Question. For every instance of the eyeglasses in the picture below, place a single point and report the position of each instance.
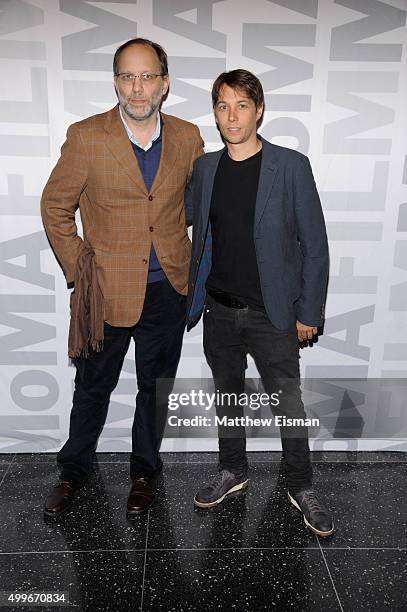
(128, 78)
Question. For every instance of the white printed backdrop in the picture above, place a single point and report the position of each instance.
(335, 77)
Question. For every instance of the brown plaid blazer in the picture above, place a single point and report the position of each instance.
(99, 173)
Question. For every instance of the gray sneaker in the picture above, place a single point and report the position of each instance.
(316, 516)
(214, 493)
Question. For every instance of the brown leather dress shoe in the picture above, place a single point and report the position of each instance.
(59, 499)
(141, 496)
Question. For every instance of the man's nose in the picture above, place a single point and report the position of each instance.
(138, 84)
(232, 115)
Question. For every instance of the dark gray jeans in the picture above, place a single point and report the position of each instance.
(229, 335)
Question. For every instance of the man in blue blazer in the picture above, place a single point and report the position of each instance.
(258, 272)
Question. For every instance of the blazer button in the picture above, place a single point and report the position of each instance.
(151, 228)
(151, 198)
(144, 261)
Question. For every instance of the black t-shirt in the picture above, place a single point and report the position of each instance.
(234, 264)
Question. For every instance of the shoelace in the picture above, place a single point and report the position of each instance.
(311, 500)
(217, 480)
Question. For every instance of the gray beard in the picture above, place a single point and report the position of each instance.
(149, 110)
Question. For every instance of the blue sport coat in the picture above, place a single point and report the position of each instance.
(289, 237)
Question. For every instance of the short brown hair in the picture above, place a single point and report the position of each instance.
(162, 56)
(240, 79)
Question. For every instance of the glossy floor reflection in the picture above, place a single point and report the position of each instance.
(251, 553)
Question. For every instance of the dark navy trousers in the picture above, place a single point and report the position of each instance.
(158, 340)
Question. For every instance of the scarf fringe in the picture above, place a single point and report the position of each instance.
(94, 347)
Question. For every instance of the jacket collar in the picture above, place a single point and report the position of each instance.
(120, 146)
(268, 172)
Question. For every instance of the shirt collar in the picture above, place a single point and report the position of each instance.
(134, 140)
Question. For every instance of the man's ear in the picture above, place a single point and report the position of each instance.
(259, 112)
(166, 84)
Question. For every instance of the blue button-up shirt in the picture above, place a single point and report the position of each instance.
(134, 140)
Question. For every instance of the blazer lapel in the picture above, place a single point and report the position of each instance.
(170, 148)
(119, 144)
(268, 172)
(207, 184)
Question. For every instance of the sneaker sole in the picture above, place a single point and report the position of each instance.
(323, 534)
(238, 487)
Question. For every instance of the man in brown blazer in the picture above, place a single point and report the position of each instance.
(126, 170)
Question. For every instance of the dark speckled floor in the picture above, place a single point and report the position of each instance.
(251, 553)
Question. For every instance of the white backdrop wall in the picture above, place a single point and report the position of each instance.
(335, 79)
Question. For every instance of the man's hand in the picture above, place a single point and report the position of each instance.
(305, 332)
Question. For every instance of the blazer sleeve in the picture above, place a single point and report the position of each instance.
(310, 307)
(188, 197)
(60, 200)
